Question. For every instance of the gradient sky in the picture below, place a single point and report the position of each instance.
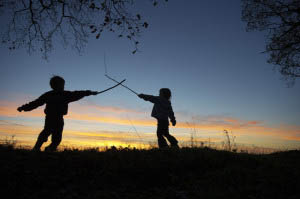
(199, 49)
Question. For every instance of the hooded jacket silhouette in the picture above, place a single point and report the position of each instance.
(162, 108)
(162, 111)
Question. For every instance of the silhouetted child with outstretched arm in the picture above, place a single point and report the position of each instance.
(162, 111)
(56, 101)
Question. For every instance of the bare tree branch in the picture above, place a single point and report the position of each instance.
(37, 24)
(281, 18)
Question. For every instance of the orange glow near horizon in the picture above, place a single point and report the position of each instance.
(241, 128)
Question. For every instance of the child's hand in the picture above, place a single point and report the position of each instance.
(173, 122)
(20, 109)
(94, 92)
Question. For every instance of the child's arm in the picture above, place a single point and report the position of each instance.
(172, 117)
(149, 98)
(32, 105)
(77, 95)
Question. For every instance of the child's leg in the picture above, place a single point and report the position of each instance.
(43, 136)
(161, 128)
(56, 135)
(172, 140)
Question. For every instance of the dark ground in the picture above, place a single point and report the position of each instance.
(127, 173)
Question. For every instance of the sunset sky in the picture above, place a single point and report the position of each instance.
(200, 50)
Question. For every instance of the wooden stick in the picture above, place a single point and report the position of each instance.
(119, 83)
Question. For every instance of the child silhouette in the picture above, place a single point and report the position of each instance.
(162, 111)
(56, 101)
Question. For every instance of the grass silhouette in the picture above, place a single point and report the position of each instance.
(154, 173)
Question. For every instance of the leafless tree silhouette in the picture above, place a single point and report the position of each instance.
(36, 24)
(281, 18)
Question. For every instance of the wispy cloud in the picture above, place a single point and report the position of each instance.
(89, 112)
(88, 106)
(9, 109)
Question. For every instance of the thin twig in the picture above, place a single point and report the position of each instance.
(119, 83)
(106, 75)
(134, 127)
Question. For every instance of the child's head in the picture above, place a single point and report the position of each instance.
(57, 83)
(166, 93)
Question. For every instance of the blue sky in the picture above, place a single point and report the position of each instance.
(198, 49)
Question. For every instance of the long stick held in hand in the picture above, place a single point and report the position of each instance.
(119, 83)
(106, 75)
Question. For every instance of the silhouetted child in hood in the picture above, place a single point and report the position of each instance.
(56, 101)
(162, 111)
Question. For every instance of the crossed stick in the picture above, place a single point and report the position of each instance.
(119, 83)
